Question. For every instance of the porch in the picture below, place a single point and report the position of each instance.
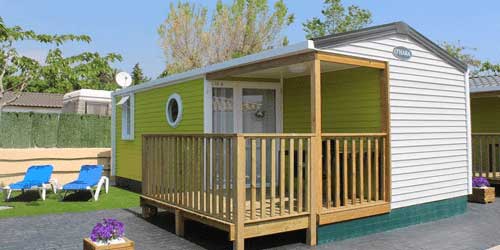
(486, 156)
(302, 172)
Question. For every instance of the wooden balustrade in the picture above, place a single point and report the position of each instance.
(193, 172)
(278, 175)
(197, 173)
(354, 169)
(248, 180)
(486, 154)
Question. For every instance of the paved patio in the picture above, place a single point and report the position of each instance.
(479, 228)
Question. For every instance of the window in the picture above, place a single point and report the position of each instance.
(173, 110)
(222, 110)
(127, 103)
(95, 108)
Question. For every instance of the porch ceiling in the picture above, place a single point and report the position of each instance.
(294, 70)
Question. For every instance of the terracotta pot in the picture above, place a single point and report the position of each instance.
(88, 244)
(482, 195)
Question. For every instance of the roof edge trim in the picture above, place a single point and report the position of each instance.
(201, 72)
(485, 89)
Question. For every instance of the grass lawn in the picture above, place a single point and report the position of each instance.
(29, 203)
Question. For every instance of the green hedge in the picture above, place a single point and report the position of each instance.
(34, 130)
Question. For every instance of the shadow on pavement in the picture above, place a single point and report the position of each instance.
(212, 238)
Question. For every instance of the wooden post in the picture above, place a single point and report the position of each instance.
(144, 184)
(239, 199)
(179, 223)
(386, 128)
(148, 211)
(315, 190)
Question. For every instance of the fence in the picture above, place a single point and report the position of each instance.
(66, 162)
(35, 130)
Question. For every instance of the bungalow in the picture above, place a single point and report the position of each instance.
(341, 135)
(485, 111)
(33, 102)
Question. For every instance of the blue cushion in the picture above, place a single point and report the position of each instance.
(35, 176)
(76, 185)
(89, 176)
(25, 184)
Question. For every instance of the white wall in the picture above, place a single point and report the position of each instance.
(428, 122)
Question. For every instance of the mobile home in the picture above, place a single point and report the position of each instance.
(342, 135)
(485, 110)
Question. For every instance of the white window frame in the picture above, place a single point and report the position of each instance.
(238, 87)
(178, 99)
(130, 104)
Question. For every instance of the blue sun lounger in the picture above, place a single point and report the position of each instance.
(90, 177)
(36, 178)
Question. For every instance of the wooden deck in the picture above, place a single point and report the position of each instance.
(288, 222)
(271, 208)
(253, 182)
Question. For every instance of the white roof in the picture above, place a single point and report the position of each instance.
(88, 93)
(200, 72)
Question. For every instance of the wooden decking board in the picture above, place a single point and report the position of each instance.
(159, 197)
(353, 212)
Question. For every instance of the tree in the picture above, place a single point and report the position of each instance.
(190, 40)
(88, 70)
(462, 53)
(137, 76)
(17, 71)
(337, 19)
(465, 54)
(58, 74)
(163, 74)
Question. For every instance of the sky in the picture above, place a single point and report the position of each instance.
(130, 27)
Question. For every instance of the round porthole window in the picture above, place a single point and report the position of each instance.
(173, 110)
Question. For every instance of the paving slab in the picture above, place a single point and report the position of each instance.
(477, 229)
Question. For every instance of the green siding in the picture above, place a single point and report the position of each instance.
(296, 105)
(150, 118)
(350, 102)
(484, 115)
(397, 218)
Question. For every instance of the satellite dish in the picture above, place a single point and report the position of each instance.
(123, 79)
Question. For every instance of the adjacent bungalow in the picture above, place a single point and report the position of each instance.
(342, 136)
(485, 113)
(83, 101)
(88, 101)
(33, 102)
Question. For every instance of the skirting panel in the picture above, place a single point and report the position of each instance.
(397, 218)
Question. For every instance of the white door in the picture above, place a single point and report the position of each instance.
(246, 107)
(258, 110)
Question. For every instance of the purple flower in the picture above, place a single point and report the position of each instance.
(108, 230)
(480, 182)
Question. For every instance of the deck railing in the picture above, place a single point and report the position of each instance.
(198, 173)
(354, 170)
(192, 172)
(278, 175)
(486, 154)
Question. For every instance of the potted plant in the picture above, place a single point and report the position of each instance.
(108, 234)
(481, 191)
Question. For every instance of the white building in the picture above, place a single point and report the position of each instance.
(87, 101)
